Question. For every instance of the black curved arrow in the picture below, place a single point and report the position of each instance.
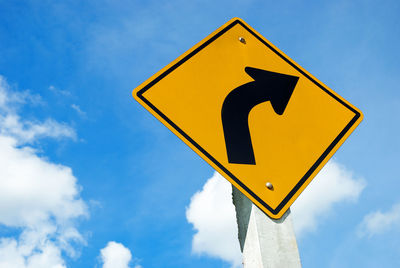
(268, 86)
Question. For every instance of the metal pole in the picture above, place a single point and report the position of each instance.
(264, 242)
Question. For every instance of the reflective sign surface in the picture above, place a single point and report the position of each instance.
(252, 113)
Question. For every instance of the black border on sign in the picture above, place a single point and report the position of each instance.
(308, 173)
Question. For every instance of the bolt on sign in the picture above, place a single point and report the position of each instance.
(256, 116)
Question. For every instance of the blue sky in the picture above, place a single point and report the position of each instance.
(109, 171)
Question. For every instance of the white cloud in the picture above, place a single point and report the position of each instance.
(9, 100)
(78, 110)
(333, 184)
(14, 255)
(23, 130)
(38, 189)
(59, 91)
(379, 222)
(116, 255)
(212, 213)
(28, 131)
(39, 200)
(213, 216)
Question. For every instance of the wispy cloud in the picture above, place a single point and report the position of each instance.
(30, 131)
(378, 222)
(78, 110)
(11, 100)
(25, 131)
(59, 91)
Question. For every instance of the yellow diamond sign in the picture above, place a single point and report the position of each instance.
(261, 120)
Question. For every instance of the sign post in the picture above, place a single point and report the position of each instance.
(264, 242)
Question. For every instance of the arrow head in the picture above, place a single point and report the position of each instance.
(279, 86)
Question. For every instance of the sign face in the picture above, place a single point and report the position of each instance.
(256, 116)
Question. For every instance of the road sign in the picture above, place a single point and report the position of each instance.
(261, 120)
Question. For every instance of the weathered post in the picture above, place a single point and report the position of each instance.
(264, 242)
